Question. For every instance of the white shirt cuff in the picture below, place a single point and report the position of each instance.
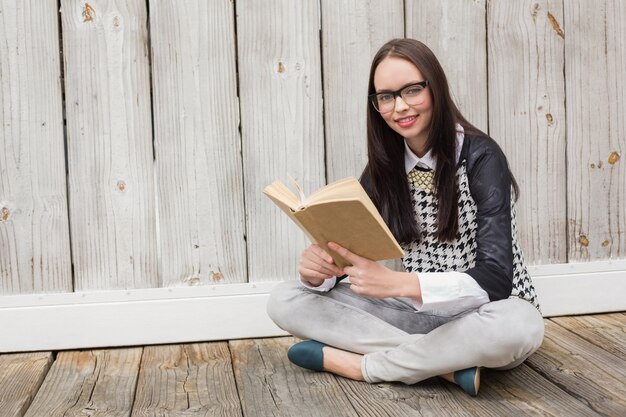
(326, 286)
(449, 293)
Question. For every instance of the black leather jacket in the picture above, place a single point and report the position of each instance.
(490, 185)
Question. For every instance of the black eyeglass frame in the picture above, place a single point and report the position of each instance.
(396, 93)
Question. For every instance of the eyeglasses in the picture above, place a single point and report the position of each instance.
(385, 101)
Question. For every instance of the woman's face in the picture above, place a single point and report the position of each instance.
(410, 121)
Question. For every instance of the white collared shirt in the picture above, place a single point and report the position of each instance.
(443, 293)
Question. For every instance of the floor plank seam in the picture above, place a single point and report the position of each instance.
(232, 368)
(139, 369)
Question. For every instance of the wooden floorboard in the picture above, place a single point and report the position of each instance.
(607, 331)
(85, 383)
(183, 380)
(269, 385)
(524, 392)
(21, 375)
(433, 397)
(519, 392)
(580, 370)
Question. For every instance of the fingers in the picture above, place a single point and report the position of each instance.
(314, 266)
(316, 259)
(347, 255)
(316, 250)
(313, 274)
(356, 289)
(352, 271)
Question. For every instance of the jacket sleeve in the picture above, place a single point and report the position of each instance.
(490, 185)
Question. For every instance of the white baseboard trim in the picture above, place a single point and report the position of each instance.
(581, 293)
(176, 315)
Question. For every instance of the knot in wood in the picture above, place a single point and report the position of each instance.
(583, 240)
(121, 185)
(192, 280)
(4, 214)
(88, 13)
(556, 26)
(613, 158)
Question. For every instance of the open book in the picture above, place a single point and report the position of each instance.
(339, 212)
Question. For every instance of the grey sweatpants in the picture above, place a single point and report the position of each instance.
(401, 344)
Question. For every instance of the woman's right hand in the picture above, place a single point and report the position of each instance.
(316, 265)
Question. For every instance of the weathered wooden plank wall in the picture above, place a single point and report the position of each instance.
(280, 87)
(165, 179)
(109, 142)
(527, 117)
(197, 143)
(595, 79)
(34, 230)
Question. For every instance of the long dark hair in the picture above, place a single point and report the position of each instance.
(384, 176)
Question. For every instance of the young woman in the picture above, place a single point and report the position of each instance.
(444, 188)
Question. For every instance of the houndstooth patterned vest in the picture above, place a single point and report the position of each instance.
(431, 255)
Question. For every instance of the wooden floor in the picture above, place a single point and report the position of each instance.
(579, 371)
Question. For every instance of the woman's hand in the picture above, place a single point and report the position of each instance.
(371, 279)
(316, 265)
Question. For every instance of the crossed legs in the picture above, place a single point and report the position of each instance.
(401, 345)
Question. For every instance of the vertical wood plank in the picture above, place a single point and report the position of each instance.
(21, 376)
(281, 115)
(347, 51)
(95, 382)
(455, 31)
(194, 379)
(527, 117)
(595, 73)
(197, 143)
(34, 228)
(269, 385)
(109, 133)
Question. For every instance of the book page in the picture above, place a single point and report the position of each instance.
(278, 191)
(345, 188)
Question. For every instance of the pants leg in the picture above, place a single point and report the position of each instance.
(346, 320)
(500, 334)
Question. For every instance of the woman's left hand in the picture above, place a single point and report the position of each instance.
(371, 279)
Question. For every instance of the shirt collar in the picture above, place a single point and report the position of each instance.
(428, 161)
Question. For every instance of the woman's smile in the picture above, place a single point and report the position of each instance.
(406, 122)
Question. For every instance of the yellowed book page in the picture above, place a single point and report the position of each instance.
(342, 189)
(289, 212)
(278, 191)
